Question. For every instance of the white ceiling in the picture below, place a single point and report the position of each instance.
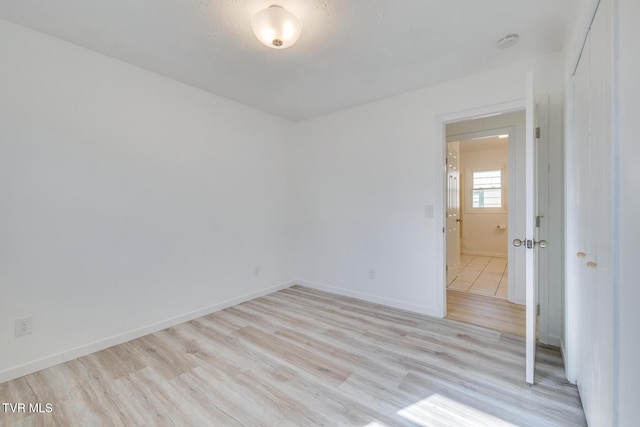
(350, 51)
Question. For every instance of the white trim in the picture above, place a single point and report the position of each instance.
(83, 350)
(480, 112)
(563, 353)
(491, 254)
(554, 341)
(481, 134)
(441, 122)
(543, 174)
(372, 298)
(519, 301)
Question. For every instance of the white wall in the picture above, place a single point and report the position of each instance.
(365, 175)
(480, 233)
(129, 201)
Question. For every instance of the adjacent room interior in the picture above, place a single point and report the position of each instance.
(478, 204)
(238, 213)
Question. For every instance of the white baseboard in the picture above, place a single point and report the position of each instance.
(480, 253)
(554, 341)
(519, 301)
(563, 353)
(83, 350)
(372, 298)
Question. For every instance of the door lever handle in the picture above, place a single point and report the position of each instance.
(530, 244)
(542, 243)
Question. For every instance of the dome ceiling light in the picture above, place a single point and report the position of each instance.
(276, 27)
(508, 41)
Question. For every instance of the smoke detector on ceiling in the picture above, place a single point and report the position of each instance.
(508, 41)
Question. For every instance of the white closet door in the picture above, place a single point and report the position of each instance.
(592, 211)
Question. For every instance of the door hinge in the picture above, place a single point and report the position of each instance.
(443, 229)
(538, 218)
(538, 132)
(538, 310)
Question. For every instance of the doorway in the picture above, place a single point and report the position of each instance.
(484, 275)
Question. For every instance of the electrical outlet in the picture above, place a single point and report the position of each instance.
(24, 326)
(256, 271)
(372, 274)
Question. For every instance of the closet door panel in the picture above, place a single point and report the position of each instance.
(580, 216)
(601, 205)
(592, 237)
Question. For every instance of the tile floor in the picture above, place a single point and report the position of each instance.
(480, 275)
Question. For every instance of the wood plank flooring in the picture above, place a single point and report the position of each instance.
(303, 357)
(485, 311)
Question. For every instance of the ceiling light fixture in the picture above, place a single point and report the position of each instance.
(508, 41)
(276, 27)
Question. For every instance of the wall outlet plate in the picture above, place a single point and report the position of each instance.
(24, 326)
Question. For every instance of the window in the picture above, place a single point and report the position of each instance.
(487, 189)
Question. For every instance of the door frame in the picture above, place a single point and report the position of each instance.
(442, 121)
(511, 195)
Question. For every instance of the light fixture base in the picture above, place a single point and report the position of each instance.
(508, 41)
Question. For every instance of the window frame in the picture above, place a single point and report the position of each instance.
(468, 191)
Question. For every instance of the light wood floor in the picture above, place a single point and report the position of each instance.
(485, 311)
(303, 357)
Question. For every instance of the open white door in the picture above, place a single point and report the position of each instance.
(531, 243)
(453, 206)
